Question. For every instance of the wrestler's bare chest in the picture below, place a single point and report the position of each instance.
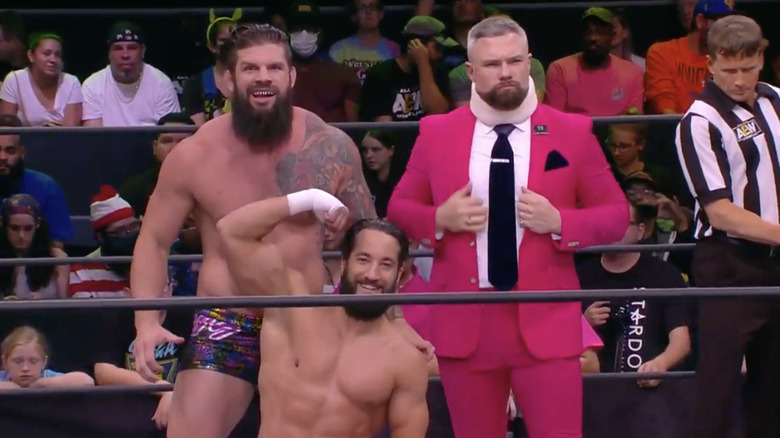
(328, 372)
(228, 180)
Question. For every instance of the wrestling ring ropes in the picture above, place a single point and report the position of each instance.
(610, 385)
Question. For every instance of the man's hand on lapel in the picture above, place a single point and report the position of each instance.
(537, 214)
(461, 212)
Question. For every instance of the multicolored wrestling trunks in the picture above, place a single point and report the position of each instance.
(226, 342)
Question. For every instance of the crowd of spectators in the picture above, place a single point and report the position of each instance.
(365, 77)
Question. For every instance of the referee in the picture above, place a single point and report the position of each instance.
(728, 143)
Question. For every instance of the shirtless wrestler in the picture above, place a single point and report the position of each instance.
(336, 372)
(264, 148)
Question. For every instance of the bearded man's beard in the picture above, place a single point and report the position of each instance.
(10, 181)
(505, 98)
(260, 127)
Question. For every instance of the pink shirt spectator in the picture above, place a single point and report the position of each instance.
(608, 91)
(590, 339)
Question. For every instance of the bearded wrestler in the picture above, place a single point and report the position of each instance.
(264, 148)
(333, 372)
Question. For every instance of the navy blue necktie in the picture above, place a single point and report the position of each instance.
(502, 230)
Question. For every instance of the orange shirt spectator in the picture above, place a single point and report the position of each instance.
(675, 71)
(674, 76)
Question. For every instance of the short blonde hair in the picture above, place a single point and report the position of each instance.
(22, 336)
(495, 26)
(735, 35)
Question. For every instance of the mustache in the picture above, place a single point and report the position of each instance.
(510, 82)
(374, 283)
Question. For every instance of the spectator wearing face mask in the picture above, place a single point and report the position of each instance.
(665, 220)
(322, 86)
(116, 230)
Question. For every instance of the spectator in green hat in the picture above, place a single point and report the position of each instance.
(412, 85)
(464, 15)
(594, 82)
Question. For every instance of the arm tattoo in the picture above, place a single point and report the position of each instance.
(329, 161)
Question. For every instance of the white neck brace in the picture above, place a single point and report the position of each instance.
(492, 117)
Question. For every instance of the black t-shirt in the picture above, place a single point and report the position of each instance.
(380, 191)
(115, 346)
(682, 260)
(390, 91)
(637, 330)
(201, 95)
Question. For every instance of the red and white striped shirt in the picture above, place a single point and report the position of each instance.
(96, 280)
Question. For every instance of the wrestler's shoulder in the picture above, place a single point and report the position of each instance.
(318, 128)
(322, 137)
(404, 352)
(210, 133)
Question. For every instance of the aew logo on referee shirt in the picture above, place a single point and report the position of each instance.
(747, 130)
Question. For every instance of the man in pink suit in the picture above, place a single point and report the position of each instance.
(504, 190)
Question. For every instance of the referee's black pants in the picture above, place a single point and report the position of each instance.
(729, 328)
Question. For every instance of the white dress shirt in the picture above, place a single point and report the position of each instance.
(479, 175)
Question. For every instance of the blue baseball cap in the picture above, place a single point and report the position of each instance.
(714, 8)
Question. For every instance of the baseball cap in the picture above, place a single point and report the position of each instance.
(427, 26)
(304, 12)
(639, 178)
(714, 8)
(601, 14)
(125, 31)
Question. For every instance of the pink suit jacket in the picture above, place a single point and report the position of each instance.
(593, 211)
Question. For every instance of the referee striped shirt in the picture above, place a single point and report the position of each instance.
(728, 150)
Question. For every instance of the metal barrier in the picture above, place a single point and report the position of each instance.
(284, 301)
(153, 389)
(347, 126)
(194, 258)
(98, 304)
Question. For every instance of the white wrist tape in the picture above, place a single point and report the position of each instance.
(316, 200)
